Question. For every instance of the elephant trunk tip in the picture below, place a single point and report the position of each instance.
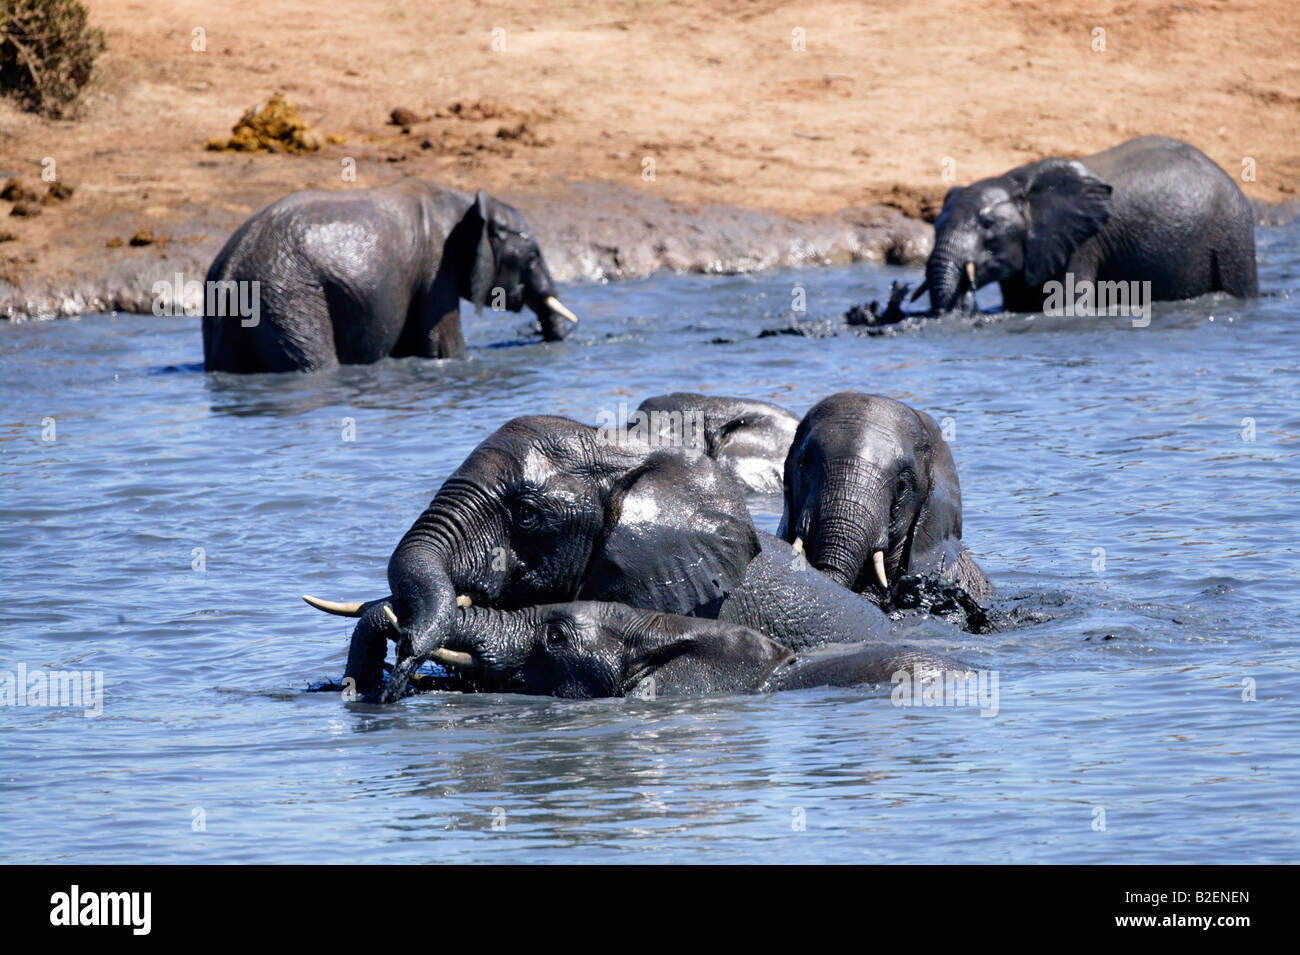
(555, 319)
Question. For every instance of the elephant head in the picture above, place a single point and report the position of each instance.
(506, 266)
(547, 510)
(871, 490)
(1021, 227)
(590, 649)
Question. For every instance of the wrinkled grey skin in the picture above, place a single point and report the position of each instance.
(867, 473)
(748, 438)
(354, 276)
(591, 649)
(1151, 209)
(543, 511)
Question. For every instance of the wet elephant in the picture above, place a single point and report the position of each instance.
(592, 649)
(353, 276)
(872, 495)
(747, 437)
(1151, 209)
(545, 511)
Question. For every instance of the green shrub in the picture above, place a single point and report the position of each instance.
(47, 50)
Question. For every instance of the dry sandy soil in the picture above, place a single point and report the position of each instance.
(562, 119)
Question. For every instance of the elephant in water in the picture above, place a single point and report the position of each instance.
(748, 438)
(871, 494)
(590, 649)
(350, 277)
(1152, 209)
(545, 511)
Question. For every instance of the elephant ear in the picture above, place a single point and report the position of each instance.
(936, 534)
(677, 536)
(692, 656)
(483, 268)
(1066, 204)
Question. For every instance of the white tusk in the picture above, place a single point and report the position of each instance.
(554, 305)
(878, 559)
(970, 273)
(392, 617)
(464, 601)
(798, 545)
(332, 606)
(453, 657)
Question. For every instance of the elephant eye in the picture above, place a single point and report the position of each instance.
(557, 635)
(527, 515)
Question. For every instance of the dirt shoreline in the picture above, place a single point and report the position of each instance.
(588, 232)
(777, 136)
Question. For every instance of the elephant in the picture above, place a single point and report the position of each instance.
(748, 438)
(545, 510)
(871, 496)
(1152, 209)
(596, 649)
(354, 276)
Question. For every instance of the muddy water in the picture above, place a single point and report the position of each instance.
(1132, 492)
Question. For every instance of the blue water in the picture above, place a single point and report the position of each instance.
(1125, 731)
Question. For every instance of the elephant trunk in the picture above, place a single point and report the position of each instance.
(424, 595)
(845, 532)
(488, 646)
(944, 275)
(539, 295)
(366, 653)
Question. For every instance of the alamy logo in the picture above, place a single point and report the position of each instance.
(42, 687)
(932, 687)
(1091, 299)
(103, 908)
(223, 298)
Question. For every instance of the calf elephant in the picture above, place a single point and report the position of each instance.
(591, 649)
(871, 494)
(1152, 209)
(354, 276)
(748, 438)
(545, 511)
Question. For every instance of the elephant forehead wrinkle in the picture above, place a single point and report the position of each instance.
(866, 467)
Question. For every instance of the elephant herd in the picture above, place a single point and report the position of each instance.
(350, 277)
(569, 559)
(580, 560)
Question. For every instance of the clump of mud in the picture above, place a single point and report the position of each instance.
(275, 128)
(479, 110)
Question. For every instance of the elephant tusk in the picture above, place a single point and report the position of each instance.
(878, 561)
(453, 658)
(798, 545)
(392, 617)
(464, 601)
(554, 305)
(355, 609)
(970, 274)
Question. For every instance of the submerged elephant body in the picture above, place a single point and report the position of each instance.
(1151, 209)
(350, 277)
(748, 438)
(593, 649)
(872, 495)
(543, 511)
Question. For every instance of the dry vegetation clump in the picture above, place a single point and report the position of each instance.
(47, 53)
